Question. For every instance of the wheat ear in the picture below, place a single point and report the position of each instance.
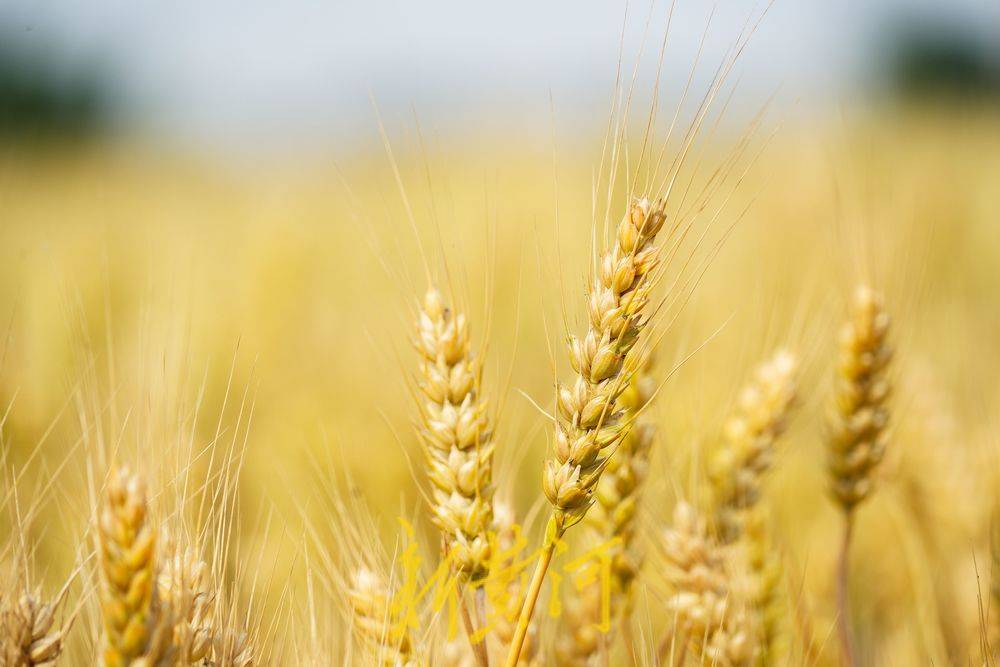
(136, 625)
(707, 608)
(185, 584)
(28, 634)
(589, 422)
(738, 467)
(766, 575)
(512, 595)
(858, 423)
(388, 642)
(614, 520)
(456, 435)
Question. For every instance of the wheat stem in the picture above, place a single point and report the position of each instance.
(478, 647)
(847, 653)
(531, 597)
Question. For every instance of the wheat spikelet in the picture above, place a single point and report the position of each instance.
(589, 422)
(28, 634)
(233, 648)
(456, 434)
(512, 597)
(184, 583)
(738, 467)
(858, 421)
(388, 642)
(136, 625)
(706, 605)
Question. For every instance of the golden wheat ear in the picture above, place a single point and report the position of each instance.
(455, 431)
(590, 424)
(136, 623)
(589, 421)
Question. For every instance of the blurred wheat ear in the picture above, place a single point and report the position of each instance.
(137, 626)
(712, 620)
(750, 435)
(28, 633)
(388, 643)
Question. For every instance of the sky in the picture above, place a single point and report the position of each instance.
(259, 73)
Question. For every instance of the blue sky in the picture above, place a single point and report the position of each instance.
(260, 72)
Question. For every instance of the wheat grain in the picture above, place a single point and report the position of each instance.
(456, 434)
(136, 625)
(232, 648)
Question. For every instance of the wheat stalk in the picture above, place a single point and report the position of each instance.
(857, 426)
(589, 422)
(707, 607)
(136, 625)
(28, 634)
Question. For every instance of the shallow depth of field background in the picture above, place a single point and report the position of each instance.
(190, 204)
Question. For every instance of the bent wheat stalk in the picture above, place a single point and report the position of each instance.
(858, 428)
(589, 423)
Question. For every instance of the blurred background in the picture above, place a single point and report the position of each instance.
(298, 76)
(197, 204)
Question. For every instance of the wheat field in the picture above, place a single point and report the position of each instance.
(338, 413)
